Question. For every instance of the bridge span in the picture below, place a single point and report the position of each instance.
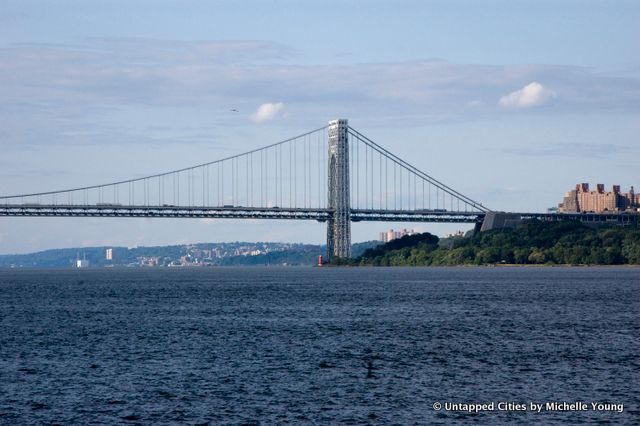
(320, 215)
(333, 174)
(230, 212)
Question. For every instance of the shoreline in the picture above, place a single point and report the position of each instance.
(497, 265)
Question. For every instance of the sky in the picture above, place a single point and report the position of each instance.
(509, 102)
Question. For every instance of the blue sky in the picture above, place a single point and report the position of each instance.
(510, 102)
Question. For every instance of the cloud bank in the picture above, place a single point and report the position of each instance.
(532, 95)
(140, 88)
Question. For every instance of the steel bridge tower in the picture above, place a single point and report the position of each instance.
(339, 224)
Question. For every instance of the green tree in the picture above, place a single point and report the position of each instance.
(521, 255)
(537, 256)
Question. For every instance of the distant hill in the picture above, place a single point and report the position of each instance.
(532, 242)
(202, 254)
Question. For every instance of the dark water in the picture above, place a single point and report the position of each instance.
(317, 346)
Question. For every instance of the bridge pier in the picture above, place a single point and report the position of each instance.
(499, 220)
(339, 224)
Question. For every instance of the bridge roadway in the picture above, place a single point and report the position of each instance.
(234, 212)
(321, 215)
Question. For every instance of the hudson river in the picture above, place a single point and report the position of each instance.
(320, 346)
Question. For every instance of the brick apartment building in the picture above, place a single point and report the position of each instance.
(582, 199)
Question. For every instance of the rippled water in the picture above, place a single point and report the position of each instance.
(317, 346)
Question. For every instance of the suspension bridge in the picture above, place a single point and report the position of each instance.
(332, 174)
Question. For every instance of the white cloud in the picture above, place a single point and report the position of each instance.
(533, 94)
(267, 112)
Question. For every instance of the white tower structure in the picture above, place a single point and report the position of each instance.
(339, 225)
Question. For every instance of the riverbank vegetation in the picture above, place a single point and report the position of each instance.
(532, 242)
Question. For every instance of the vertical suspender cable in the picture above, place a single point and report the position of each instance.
(304, 170)
(295, 173)
(386, 183)
(246, 161)
(371, 202)
(309, 154)
(358, 173)
(354, 172)
(366, 175)
(395, 191)
(401, 194)
(380, 183)
(319, 164)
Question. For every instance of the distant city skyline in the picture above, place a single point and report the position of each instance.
(511, 103)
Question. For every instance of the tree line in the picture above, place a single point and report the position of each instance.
(532, 242)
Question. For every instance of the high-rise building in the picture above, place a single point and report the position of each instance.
(391, 235)
(582, 199)
(82, 263)
(109, 254)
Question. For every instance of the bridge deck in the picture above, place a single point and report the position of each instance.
(235, 212)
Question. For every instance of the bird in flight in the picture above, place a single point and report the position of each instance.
(233, 110)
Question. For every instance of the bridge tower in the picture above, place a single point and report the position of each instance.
(339, 225)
